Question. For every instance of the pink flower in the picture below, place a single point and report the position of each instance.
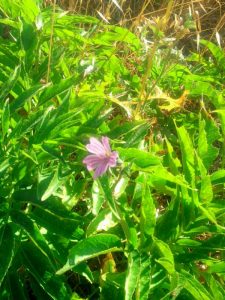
(102, 156)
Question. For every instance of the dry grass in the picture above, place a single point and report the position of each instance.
(208, 15)
(183, 21)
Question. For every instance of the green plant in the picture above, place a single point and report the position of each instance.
(150, 228)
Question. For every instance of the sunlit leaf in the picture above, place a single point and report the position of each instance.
(91, 247)
(132, 274)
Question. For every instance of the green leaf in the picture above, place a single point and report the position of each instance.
(4, 165)
(166, 259)
(218, 177)
(91, 247)
(216, 288)
(113, 286)
(136, 134)
(148, 211)
(52, 186)
(169, 220)
(173, 161)
(208, 214)
(5, 118)
(84, 270)
(26, 95)
(54, 123)
(188, 242)
(120, 186)
(7, 245)
(208, 134)
(38, 265)
(216, 267)
(217, 52)
(53, 216)
(144, 283)
(117, 33)
(16, 287)
(198, 87)
(37, 289)
(188, 159)
(221, 113)
(8, 86)
(67, 20)
(24, 126)
(28, 36)
(32, 231)
(57, 89)
(103, 221)
(104, 184)
(47, 185)
(141, 158)
(206, 191)
(193, 286)
(190, 198)
(133, 272)
(97, 198)
(164, 181)
(11, 23)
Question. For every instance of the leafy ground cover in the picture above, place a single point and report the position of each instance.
(152, 226)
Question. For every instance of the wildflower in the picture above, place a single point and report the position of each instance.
(102, 157)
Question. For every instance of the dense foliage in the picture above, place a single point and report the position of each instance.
(153, 227)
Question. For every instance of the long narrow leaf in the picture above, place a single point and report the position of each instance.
(7, 244)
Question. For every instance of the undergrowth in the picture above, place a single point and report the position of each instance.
(153, 226)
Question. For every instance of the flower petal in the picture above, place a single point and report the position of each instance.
(102, 156)
(113, 159)
(105, 143)
(112, 162)
(92, 161)
(101, 169)
(115, 154)
(95, 147)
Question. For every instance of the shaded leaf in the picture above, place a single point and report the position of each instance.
(7, 244)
